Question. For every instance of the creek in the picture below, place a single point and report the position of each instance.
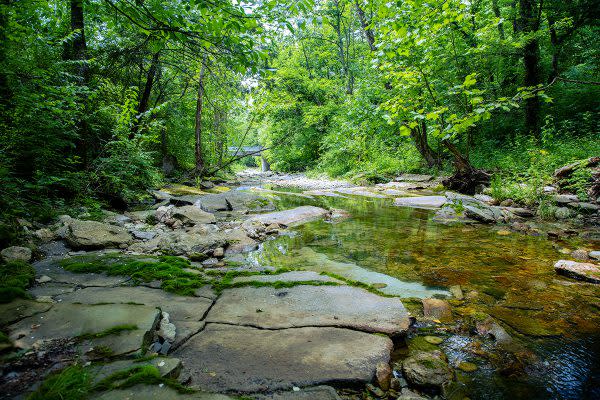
(554, 322)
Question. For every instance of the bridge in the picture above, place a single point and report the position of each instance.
(250, 151)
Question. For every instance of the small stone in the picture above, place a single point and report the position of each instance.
(437, 309)
(507, 203)
(218, 252)
(164, 349)
(383, 373)
(457, 292)
(503, 232)
(379, 285)
(408, 394)
(549, 189)
(43, 279)
(595, 255)
(563, 213)
(467, 366)
(576, 270)
(167, 330)
(375, 390)
(395, 384)
(427, 370)
(433, 340)
(154, 347)
(16, 253)
(580, 254)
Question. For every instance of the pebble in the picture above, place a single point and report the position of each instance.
(467, 366)
(433, 339)
(595, 255)
(375, 390)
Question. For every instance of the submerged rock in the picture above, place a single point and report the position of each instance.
(427, 370)
(577, 270)
(437, 309)
(421, 201)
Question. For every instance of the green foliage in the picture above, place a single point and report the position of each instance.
(15, 277)
(125, 172)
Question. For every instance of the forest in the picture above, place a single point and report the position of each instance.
(102, 99)
(299, 199)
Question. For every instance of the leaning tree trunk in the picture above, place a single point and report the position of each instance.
(531, 54)
(419, 136)
(145, 97)
(466, 178)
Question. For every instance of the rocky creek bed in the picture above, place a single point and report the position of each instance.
(308, 290)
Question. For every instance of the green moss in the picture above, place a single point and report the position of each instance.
(101, 352)
(115, 330)
(4, 338)
(15, 277)
(170, 270)
(72, 383)
(359, 284)
(143, 374)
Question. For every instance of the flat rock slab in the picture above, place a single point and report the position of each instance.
(292, 276)
(59, 275)
(146, 392)
(577, 270)
(19, 309)
(242, 359)
(298, 306)
(179, 307)
(72, 320)
(309, 393)
(421, 201)
(295, 216)
(360, 191)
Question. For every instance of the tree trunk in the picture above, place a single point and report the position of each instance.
(531, 55)
(78, 50)
(419, 136)
(466, 179)
(5, 93)
(145, 98)
(498, 15)
(364, 23)
(555, 49)
(198, 131)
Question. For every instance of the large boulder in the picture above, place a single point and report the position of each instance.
(577, 270)
(95, 235)
(427, 370)
(179, 242)
(16, 253)
(192, 215)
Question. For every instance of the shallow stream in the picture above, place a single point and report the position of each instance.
(554, 321)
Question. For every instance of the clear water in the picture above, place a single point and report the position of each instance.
(555, 322)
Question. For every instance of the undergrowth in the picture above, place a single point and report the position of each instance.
(15, 278)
